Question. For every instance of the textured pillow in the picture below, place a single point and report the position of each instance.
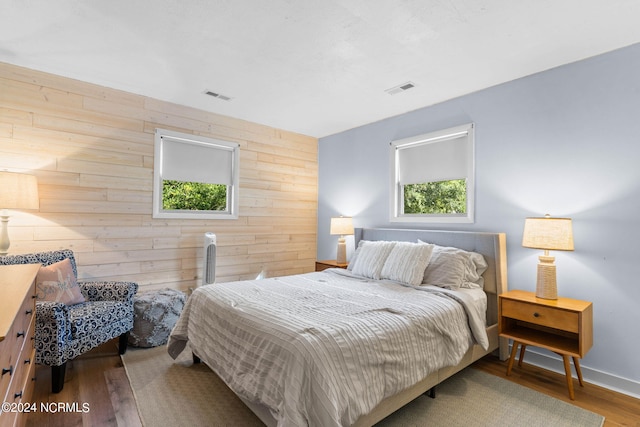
(446, 269)
(455, 268)
(371, 257)
(354, 257)
(474, 267)
(156, 313)
(407, 262)
(57, 283)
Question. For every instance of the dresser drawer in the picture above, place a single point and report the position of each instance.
(23, 328)
(16, 344)
(14, 394)
(8, 356)
(20, 374)
(26, 314)
(540, 315)
(29, 380)
(17, 326)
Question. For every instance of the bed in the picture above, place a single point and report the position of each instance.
(348, 347)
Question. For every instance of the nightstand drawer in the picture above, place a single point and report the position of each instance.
(540, 315)
(330, 263)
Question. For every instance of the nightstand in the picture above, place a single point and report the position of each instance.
(329, 263)
(564, 326)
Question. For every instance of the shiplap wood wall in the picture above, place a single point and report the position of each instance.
(91, 148)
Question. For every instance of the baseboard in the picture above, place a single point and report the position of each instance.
(593, 376)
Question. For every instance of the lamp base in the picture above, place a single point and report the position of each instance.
(341, 256)
(546, 286)
(4, 233)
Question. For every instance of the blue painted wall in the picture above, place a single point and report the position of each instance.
(565, 142)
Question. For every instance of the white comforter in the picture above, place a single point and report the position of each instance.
(324, 348)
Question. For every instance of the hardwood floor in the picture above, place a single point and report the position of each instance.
(617, 408)
(96, 378)
(99, 379)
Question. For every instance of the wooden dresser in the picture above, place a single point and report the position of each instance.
(17, 351)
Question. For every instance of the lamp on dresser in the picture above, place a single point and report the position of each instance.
(547, 233)
(341, 226)
(17, 191)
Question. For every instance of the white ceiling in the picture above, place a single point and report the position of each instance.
(316, 67)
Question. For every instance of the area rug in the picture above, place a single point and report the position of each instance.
(178, 393)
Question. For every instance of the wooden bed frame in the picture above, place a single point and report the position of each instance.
(493, 247)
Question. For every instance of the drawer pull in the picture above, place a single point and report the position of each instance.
(536, 314)
(8, 370)
(17, 395)
(30, 311)
(20, 334)
(27, 361)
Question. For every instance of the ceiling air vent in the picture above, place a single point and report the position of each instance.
(400, 88)
(217, 95)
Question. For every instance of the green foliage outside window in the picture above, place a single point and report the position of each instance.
(193, 196)
(444, 197)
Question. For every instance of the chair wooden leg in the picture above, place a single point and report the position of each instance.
(124, 341)
(57, 377)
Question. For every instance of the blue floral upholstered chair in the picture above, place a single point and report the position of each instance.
(64, 331)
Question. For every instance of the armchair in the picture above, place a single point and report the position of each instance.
(63, 332)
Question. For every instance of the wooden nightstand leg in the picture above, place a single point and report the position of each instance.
(576, 363)
(514, 350)
(567, 371)
(523, 347)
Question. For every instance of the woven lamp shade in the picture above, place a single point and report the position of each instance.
(18, 191)
(342, 225)
(548, 234)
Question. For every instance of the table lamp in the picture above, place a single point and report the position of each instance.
(17, 191)
(548, 234)
(341, 226)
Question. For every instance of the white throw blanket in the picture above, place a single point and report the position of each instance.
(324, 348)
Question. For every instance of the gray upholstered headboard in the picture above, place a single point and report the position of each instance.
(491, 245)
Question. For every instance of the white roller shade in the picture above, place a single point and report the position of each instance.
(196, 162)
(435, 161)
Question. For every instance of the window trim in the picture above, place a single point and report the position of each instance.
(233, 188)
(396, 202)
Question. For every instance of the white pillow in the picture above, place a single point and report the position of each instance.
(407, 262)
(354, 257)
(475, 267)
(445, 269)
(455, 268)
(370, 258)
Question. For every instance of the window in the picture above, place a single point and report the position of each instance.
(195, 177)
(432, 177)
